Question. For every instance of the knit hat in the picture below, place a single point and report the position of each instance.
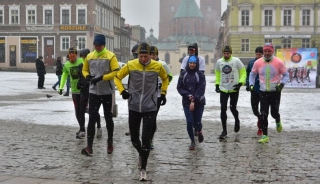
(99, 40)
(227, 48)
(268, 46)
(259, 50)
(154, 50)
(84, 52)
(144, 48)
(192, 59)
(73, 50)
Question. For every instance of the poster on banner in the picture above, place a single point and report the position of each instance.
(301, 64)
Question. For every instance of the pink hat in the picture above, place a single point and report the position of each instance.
(268, 46)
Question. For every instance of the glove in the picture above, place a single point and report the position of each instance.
(60, 91)
(125, 94)
(95, 80)
(248, 88)
(163, 99)
(279, 87)
(89, 77)
(217, 88)
(237, 86)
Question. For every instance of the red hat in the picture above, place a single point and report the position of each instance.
(268, 46)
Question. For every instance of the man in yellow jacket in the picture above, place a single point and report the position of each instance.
(100, 67)
(142, 99)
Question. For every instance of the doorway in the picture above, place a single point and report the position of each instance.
(48, 51)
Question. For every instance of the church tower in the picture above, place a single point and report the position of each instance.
(168, 9)
(211, 11)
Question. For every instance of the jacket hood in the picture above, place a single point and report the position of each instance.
(194, 45)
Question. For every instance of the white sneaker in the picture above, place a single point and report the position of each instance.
(99, 132)
(81, 135)
(143, 175)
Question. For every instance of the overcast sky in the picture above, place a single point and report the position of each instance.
(146, 13)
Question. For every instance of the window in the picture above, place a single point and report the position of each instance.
(286, 43)
(167, 58)
(48, 17)
(305, 43)
(65, 14)
(245, 18)
(306, 17)
(268, 40)
(1, 14)
(81, 14)
(29, 47)
(287, 14)
(268, 17)
(65, 42)
(2, 50)
(14, 14)
(31, 17)
(81, 42)
(245, 45)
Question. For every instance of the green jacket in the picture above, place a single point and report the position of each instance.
(71, 69)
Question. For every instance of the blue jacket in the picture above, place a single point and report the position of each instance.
(256, 86)
(192, 82)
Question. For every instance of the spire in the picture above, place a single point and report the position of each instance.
(188, 8)
(151, 32)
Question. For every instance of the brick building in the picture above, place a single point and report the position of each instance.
(31, 28)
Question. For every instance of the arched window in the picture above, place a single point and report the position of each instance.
(167, 58)
(207, 59)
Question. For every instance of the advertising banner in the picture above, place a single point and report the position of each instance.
(301, 64)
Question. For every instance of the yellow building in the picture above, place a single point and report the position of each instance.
(247, 24)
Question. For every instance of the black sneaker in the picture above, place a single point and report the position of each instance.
(87, 151)
(223, 135)
(237, 126)
(200, 137)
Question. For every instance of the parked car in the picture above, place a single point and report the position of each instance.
(126, 79)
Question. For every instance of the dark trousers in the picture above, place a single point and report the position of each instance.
(58, 82)
(148, 127)
(84, 97)
(76, 98)
(158, 108)
(193, 119)
(255, 100)
(95, 102)
(233, 107)
(40, 80)
(272, 100)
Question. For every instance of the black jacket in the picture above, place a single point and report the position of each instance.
(59, 67)
(41, 68)
(83, 84)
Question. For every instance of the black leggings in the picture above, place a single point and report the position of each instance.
(158, 108)
(95, 102)
(269, 99)
(84, 97)
(148, 127)
(233, 107)
(255, 100)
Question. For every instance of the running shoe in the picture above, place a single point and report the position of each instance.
(81, 135)
(264, 139)
(223, 135)
(200, 137)
(279, 126)
(87, 151)
(143, 175)
(192, 146)
(110, 148)
(99, 133)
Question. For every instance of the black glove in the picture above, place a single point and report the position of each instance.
(163, 99)
(218, 88)
(125, 94)
(60, 91)
(89, 77)
(279, 87)
(95, 80)
(248, 88)
(237, 86)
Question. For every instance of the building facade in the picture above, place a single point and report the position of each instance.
(247, 24)
(31, 28)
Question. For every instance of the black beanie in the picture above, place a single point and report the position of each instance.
(154, 50)
(259, 50)
(73, 50)
(144, 48)
(227, 48)
(99, 40)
